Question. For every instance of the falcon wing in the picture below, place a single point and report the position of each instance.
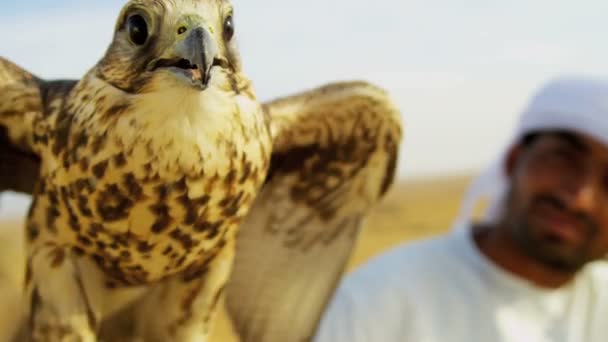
(23, 98)
(19, 170)
(20, 104)
(334, 155)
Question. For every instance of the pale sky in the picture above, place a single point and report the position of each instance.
(460, 71)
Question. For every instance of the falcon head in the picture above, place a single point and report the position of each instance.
(173, 43)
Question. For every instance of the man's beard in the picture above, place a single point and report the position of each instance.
(549, 250)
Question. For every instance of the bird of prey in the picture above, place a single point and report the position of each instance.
(143, 172)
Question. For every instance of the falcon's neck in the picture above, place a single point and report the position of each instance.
(176, 129)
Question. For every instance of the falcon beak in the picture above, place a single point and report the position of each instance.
(193, 58)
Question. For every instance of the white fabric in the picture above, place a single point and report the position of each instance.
(574, 104)
(445, 290)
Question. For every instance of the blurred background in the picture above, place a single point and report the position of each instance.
(459, 71)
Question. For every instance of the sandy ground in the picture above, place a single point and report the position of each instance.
(412, 210)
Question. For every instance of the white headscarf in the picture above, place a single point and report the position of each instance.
(573, 104)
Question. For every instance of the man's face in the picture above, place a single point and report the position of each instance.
(557, 207)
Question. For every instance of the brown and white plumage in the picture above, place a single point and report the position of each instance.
(141, 177)
(334, 154)
(147, 166)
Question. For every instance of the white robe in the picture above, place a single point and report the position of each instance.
(444, 289)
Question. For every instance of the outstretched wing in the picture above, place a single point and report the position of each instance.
(20, 105)
(19, 170)
(23, 126)
(334, 155)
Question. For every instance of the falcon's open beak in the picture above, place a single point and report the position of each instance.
(192, 58)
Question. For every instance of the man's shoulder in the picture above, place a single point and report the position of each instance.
(409, 281)
(410, 263)
(597, 273)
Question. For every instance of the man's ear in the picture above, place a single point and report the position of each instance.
(513, 159)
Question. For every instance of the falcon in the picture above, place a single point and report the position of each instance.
(154, 170)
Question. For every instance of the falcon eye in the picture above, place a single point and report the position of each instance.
(138, 29)
(228, 28)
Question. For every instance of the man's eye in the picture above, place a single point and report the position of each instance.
(561, 157)
(605, 181)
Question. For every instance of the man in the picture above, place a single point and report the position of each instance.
(532, 271)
